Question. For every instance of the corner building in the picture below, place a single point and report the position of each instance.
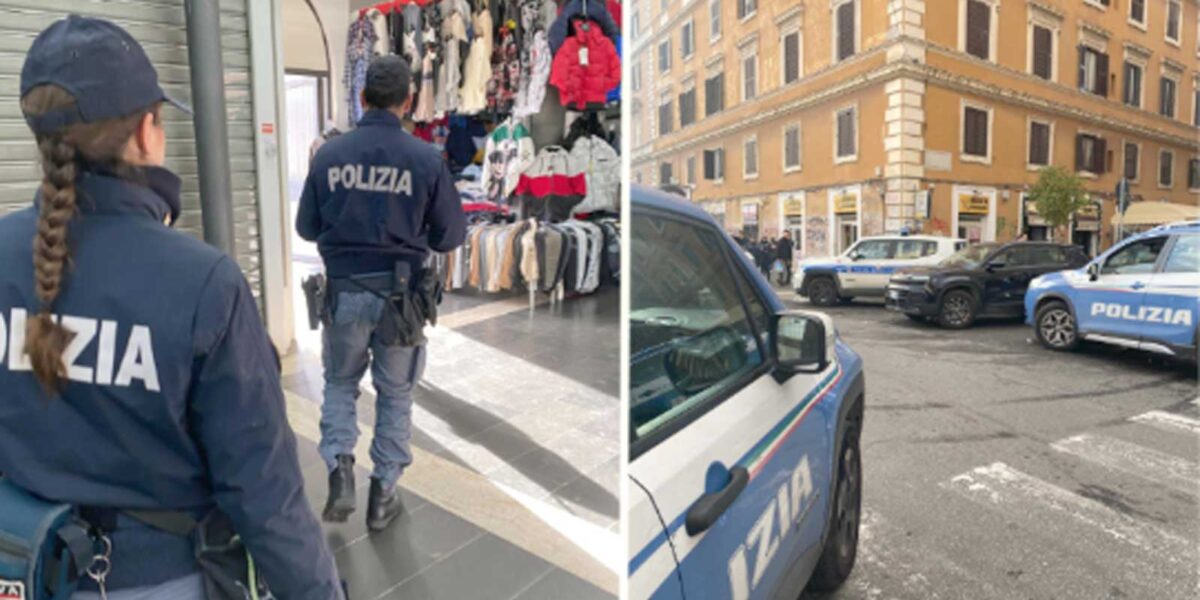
(836, 119)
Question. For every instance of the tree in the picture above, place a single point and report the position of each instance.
(1058, 194)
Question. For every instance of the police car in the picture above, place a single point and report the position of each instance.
(1143, 293)
(745, 419)
(865, 268)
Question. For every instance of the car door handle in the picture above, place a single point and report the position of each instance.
(1137, 285)
(710, 507)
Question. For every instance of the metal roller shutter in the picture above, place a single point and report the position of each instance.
(160, 26)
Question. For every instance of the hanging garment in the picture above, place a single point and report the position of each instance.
(585, 68)
(454, 36)
(531, 90)
(549, 189)
(379, 22)
(614, 9)
(534, 16)
(614, 95)
(529, 255)
(509, 152)
(479, 66)
(425, 101)
(506, 69)
(563, 27)
(359, 50)
(601, 166)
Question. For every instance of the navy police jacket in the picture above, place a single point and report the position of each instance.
(376, 196)
(172, 399)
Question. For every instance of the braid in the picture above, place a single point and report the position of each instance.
(46, 339)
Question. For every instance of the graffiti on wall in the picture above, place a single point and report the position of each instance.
(815, 232)
(938, 227)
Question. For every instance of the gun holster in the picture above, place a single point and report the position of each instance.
(316, 296)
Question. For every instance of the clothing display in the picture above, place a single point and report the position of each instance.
(601, 167)
(531, 255)
(586, 68)
(479, 65)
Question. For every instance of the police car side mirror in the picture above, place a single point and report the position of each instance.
(855, 256)
(1093, 271)
(801, 342)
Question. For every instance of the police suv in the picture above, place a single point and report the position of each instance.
(865, 268)
(1143, 293)
(745, 420)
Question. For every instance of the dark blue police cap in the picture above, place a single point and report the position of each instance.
(98, 63)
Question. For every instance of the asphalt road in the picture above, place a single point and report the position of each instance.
(996, 469)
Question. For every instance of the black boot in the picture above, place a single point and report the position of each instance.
(341, 491)
(382, 507)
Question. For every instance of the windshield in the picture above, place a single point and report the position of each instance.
(969, 257)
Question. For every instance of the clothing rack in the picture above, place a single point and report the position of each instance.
(390, 6)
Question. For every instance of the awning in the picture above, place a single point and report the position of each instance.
(1158, 213)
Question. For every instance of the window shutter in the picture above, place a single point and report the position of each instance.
(1194, 174)
(1082, 66)
(845, 24)
(1039, 144)
(979, 16)
(1131, 159)
(1099, 154)
(791, 57)
(1079, 153)
(1042, 39)
(720, 162)
(1102, 74)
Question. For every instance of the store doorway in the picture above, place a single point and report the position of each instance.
(847, 232)
(1086, 240)
(970, 228)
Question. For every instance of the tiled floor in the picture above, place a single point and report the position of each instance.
(518, 411)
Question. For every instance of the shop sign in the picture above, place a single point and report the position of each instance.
(922, 205)
(1032, 217)
(793, 206)
(1091, 212)
(845, 203)
(750, 214)
(972, 204)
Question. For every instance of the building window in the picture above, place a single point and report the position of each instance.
(1101, 4)
(1089, 154)
(977, 22)
(1196, 106)
(750, 158)
(975, 126)
(664, 56)
(846, 33)
(1174, 21)
(714, 94)
(666, 117)
(635, 75)
(790, 44)
(1137, 12)
(664, 173)
(714, 20)
(1132, 157)
(749, 76)
(687, 108)
(1133, 84)
(791, 148)
(690, 170)
(1166, 97)
(687, 39)
(1166, 169)
(1194, 174)
(1039, 144)
(747, 8)
(714, 164)
(846, 138)
(1043, 53)
(1093, 71)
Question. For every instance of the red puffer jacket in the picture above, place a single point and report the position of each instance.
(586, 67)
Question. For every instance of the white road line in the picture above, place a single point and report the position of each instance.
(1002, 486)
(1169, 421)
(1159, 467)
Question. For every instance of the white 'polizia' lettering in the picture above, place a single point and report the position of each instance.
(787, 509)
(137, 355)
(1146, 314)
(381, 179)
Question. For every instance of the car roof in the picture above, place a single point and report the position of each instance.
(920, 237)
(1180, 227)
(649, 197)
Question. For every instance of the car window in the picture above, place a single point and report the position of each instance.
(969, 257)
(1138, 257)
(1185, 255)
(874, 249)
(690, 336)
(1040, 255)
(1012, 257)
(907, 249)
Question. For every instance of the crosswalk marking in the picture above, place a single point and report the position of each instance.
(1146, 463)
(1169, 421)
(1000, 485)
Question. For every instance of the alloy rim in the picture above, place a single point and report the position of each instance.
(1057, 328)
(822, 292)
(848, 502)
(956, 310)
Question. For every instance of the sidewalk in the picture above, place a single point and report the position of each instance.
(514, 488)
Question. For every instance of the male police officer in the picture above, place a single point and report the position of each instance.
(376, 201)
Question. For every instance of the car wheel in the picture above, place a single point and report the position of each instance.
(957, 310)
(1056, 327)
(822, 291)
(841, 541)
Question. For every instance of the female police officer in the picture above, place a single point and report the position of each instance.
(138, 376)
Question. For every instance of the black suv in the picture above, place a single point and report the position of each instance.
(984, 280)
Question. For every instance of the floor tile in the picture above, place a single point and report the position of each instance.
(561, 585)
(488, 568)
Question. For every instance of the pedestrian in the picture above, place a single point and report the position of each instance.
(377, 200)
(140, 381)
(783, 251)
(764, 256)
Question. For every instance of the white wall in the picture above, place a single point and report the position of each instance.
(334, 16)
